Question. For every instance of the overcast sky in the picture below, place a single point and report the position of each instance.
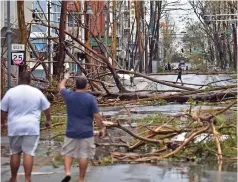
(179, 15)
(180, 12)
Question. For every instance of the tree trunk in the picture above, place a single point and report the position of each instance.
(61, 54)
(159, 3)
(22, 30)
(114, 38)
(235, 45)
(151, 33)
(138, 28)
(233, 7)
(146, 51)
(229, 51)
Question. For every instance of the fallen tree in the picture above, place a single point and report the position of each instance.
(161, 136)
(184, 96)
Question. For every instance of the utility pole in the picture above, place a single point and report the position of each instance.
(62, 26)
(23, 30)
(76, 66)
(139, 26)
(49, 42)
(142, 30)
(8, 46)
(114, 39)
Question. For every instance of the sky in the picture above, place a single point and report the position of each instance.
(184, 11)
(180, 11)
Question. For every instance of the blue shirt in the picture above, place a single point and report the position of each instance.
(80, 109)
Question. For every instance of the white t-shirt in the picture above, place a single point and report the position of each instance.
(132, 75)
(24, 104)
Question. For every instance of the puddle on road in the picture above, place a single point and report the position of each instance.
(143, 111)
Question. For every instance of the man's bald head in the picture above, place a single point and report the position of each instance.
(81, 82)
(25, 78)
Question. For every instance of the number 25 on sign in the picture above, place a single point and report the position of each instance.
(18, 58)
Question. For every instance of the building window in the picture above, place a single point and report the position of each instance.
(71, 20)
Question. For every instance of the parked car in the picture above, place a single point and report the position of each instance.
(182, 65)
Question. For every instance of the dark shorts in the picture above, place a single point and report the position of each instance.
(132, 79)
(179, 77)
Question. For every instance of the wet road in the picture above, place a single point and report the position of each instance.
(133, 173)
(163, 172)
(142, 111)
(144, 84)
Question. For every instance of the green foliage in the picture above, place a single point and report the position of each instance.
(58, 109)
(191, 101)
(234, 76)
(157, 118)
(160, 69)
(220, 119)
(177, 57)
(158, 102)
(106, 161)
(229, 146)
(208, 88)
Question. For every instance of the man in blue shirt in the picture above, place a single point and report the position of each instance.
(82, 109)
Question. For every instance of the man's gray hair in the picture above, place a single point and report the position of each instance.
(81, 82)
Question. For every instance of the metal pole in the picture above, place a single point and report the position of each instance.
(49, 42)
(8, 46)
(90, 21)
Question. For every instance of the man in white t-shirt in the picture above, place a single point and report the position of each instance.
(23, 105)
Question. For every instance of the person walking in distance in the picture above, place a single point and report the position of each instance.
(179, 75)
(23, 104)
(82, 109)
(169, 67)
(132, 78)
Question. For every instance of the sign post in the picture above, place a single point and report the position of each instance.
(18, 56)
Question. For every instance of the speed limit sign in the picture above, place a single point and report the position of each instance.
(18, 58)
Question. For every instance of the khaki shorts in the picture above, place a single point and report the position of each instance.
(79, 148)
(26, 144)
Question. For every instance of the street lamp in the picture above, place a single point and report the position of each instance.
(90, 12)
